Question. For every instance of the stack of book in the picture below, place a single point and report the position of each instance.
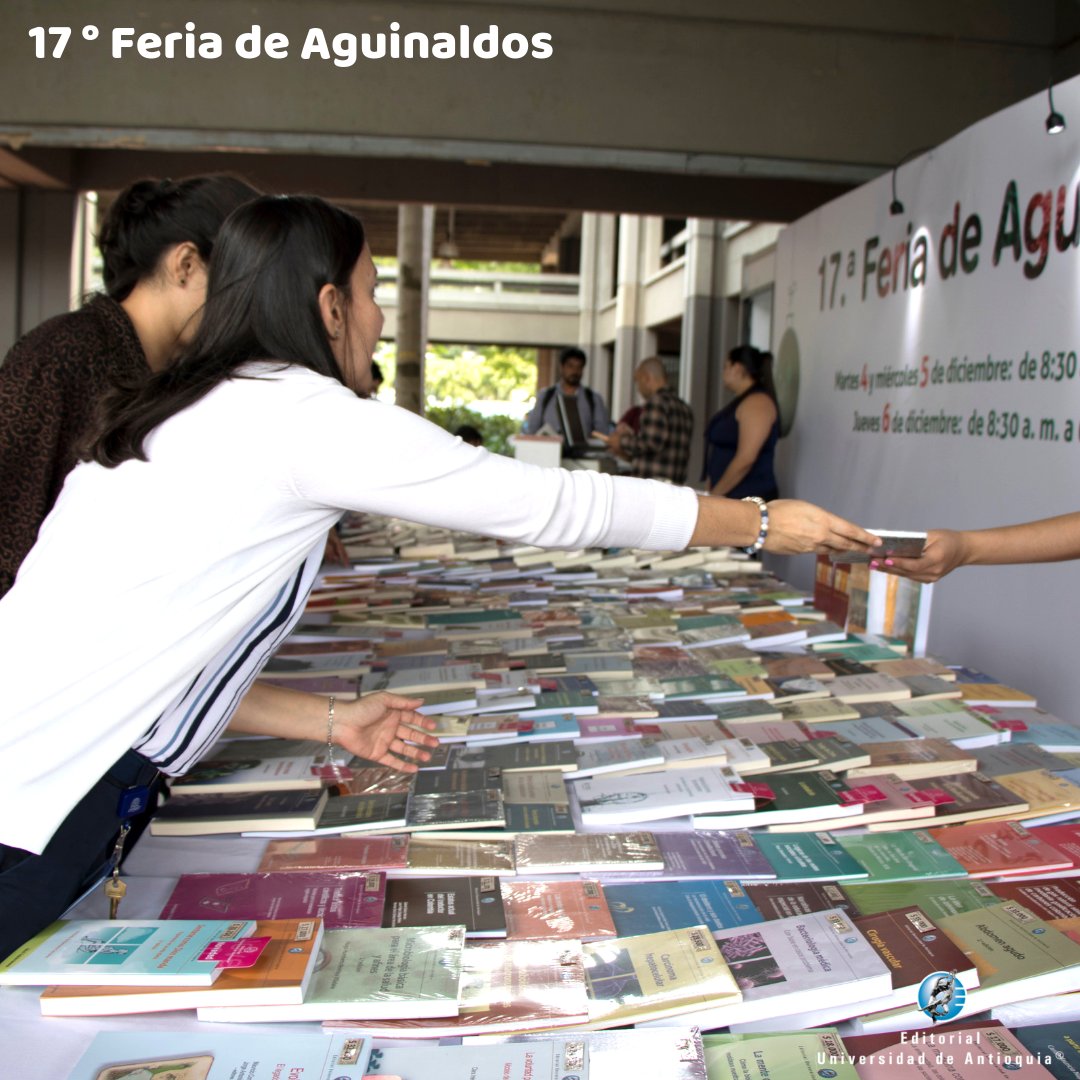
(668, 793)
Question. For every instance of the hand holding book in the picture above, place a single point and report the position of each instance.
(794, 527)
(1048, 540)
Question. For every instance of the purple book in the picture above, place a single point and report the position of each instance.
(342, 899)
(691, 854)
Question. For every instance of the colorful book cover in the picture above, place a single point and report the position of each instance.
(480, 808)
(535, 787)
(938, 899)
(624, 755)
(1018, 957)
(667, 1053)
(506, 986)
(187, 1055)
(781, 1055)
(1049, 797)
(1057, 902)
(646, 907)
(819, 711)
(560, 754)
(475, 902)
(902, 856)
(279, 976)
(781, 901)
(204, 815)
(786, 966)
(439, 856)
(809, 857)
(551, 1060)
(621, 800)
(651, 976)
(1056, 1045)
(230, 774)
(554, 910)
(378, 974)
(732, 855)
(587, 853)
(343, 898)
(785, 798)
(125, 952)
(913, 948)
(335, 853)
(537, 818)
(1007, 758)
(993, 848)
(916, 758)
(970, 797)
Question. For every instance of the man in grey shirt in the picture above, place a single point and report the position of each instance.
(579, 403)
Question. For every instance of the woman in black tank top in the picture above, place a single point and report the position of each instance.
(741, 438)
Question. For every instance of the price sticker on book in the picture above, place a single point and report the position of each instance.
(864, 793)
(235, 954)
(759, 791)
(1009, 725)
(933, 796)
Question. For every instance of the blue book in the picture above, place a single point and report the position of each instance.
(125, 952)
(645, 907)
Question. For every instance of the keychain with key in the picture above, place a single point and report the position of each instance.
(133, 800)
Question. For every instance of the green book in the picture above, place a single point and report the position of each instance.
(701, 687)
(901, 856)
(937, 899)
(808, 857)
(371, 974)
(780, 1055)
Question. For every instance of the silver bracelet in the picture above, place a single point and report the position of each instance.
(763, 530)
(330, 733)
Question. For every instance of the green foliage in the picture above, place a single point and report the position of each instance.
(459, 374)
(496, 430)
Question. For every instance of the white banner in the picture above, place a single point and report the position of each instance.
(935, 353)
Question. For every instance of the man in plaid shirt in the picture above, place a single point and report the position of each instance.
(660, 449)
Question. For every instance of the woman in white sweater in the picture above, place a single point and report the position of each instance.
(179, 556)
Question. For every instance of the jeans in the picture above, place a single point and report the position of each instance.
(35, 890)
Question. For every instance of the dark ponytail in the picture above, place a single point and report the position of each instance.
(756, 364)
(272, 257)
(151, 216)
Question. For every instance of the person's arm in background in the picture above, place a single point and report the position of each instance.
(535, 420)
(1047, 540)
(755, 417)
(379, 727)
(651, 435)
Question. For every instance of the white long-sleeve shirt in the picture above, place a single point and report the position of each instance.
(158, 589)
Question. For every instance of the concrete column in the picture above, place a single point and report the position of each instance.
(36, 234)
(415, 228)
(628, 329)
(598, 373)
(698, 357)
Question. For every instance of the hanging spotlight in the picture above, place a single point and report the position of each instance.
(896, 207)
(1055, 122)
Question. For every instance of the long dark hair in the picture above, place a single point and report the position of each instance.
(272, 257)
(151, 216)
(756, 364)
